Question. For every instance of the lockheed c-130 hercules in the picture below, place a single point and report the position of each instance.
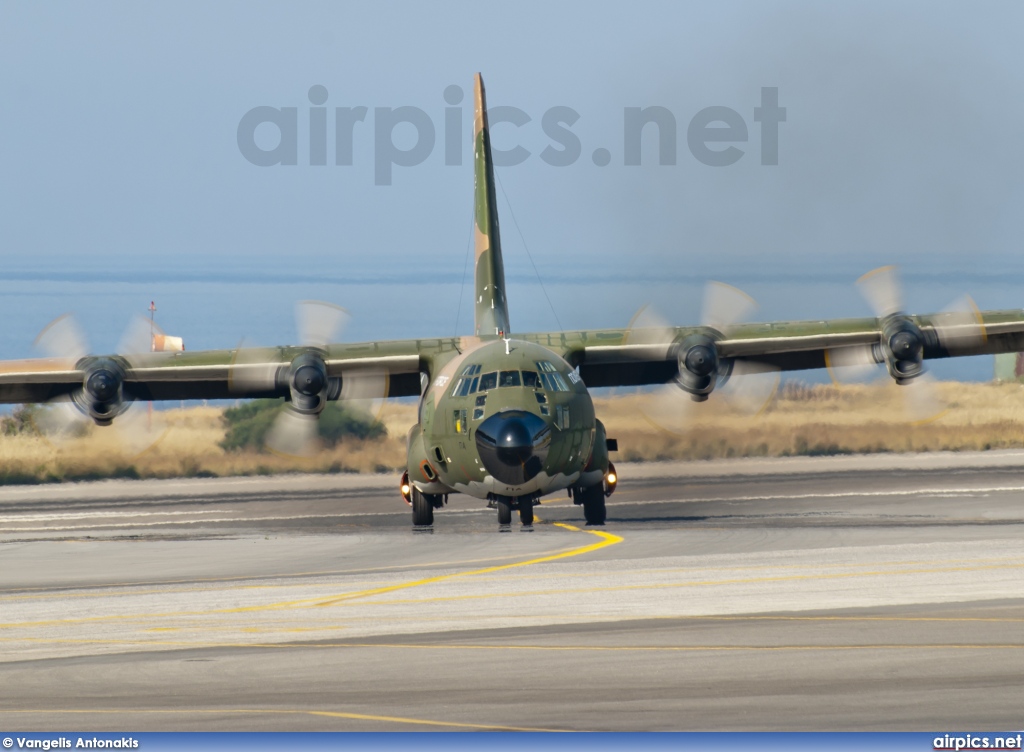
(506, 417)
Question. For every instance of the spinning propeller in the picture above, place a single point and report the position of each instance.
(903, 343)
(740, 385)
(301, 375)
(102, 396)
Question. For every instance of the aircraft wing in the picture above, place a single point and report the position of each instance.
(220, 374)
(611, 357)
(632, 357)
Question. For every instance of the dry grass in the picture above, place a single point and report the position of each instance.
(188, 446)
(800, 420)
(820, 419)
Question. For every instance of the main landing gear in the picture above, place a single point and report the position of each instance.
(592, 498)
(592, 501)
(422, 509)
(423, 505)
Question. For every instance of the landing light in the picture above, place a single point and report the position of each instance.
(406, 488)
(610, 479)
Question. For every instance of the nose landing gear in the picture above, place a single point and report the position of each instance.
(505, 505)
(526, 512)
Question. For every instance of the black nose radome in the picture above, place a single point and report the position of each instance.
(513, 445)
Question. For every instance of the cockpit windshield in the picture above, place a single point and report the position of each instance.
(546, 377)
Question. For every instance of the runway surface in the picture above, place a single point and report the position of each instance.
(833, 593)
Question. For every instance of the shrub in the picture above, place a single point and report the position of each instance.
(247, 425)
(338, 422)
(22, 421)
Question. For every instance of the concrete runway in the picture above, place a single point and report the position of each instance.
(835, 593)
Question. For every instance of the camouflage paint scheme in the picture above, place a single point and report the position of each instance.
(491, 307)
(444, 455)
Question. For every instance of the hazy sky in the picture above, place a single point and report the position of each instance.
(122, 179)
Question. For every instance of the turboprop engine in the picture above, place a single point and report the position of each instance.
(902, 349)
(700, 368)
(102, 396)
(308, 385)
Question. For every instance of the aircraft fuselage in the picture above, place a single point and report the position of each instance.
(505, 418)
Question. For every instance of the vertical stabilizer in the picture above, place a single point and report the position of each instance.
(491, 312)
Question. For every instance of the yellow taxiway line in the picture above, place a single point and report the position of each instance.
(606, 539)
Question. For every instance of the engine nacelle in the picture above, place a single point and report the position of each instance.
(308, 385)
(902, 349)
(700, 367)
(102, 396)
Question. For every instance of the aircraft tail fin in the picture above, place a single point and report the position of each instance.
(491, 311)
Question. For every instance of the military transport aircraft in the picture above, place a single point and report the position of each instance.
(503, 416)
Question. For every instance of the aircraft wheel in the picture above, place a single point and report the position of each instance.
(504, 512)
(526, 512)
(422, 509)
(593, 504)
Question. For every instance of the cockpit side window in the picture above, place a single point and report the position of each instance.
(467, 382)
(552, 380)
(465, 387)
